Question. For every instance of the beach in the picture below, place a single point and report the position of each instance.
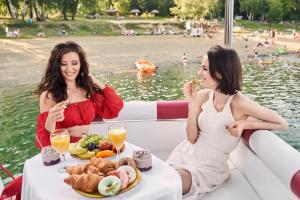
(23, 60)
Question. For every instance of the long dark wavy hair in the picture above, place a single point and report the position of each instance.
(52, 79)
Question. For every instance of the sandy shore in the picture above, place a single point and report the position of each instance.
(23, 60)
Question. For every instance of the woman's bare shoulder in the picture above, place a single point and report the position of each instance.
(46, 101)
(241, 101)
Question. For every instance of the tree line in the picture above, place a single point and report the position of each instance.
(269, 10)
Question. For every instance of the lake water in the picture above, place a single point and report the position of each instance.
(275, 86)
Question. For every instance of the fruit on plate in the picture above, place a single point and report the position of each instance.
(87, 139)
(105, 154)
(105, 145)
(109, 186)
(76, 149)
(129, 171)
(86, 155)
(93, 145)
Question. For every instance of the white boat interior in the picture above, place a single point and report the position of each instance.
(262, 166)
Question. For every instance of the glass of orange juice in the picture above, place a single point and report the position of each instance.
(60, 140)
(117, 136)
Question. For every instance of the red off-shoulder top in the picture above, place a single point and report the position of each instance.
(106, 105)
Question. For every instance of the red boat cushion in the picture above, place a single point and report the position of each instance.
(172, 109)
(295, 184)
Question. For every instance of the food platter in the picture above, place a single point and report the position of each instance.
(129, 187)
(92, 146)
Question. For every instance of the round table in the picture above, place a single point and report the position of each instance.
(42, 182)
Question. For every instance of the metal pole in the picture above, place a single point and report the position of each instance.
(229, 5)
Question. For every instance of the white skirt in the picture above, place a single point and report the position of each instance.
(208, 166)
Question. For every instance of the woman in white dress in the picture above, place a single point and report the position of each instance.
(216, 119)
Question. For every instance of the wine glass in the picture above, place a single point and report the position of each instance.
(60, 140)
(117, 136)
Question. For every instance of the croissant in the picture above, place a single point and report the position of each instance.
(102, 164)
(96, 161)
(93, 170)
(83, 168)
(105, 164)
(78, 169)
(84, 182)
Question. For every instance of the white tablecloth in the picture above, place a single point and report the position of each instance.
(46, 183)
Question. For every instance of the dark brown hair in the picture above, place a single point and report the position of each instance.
(225, 67)
(53, 81)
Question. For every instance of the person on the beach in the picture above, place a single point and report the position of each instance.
(217, 117)
(70, 97)
(184, 59)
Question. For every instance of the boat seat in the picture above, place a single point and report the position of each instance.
(262, 166)
(236, 187)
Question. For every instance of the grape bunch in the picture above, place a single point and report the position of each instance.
(87, 139)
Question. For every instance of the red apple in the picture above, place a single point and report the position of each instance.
(105, 145)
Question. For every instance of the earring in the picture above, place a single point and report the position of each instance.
(81, 74)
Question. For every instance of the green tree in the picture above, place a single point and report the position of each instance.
(275, 12)
(151, 5)
(73, 6)
(3, 8)
(89, 6)
(63, 7)
(110, 3)
(193, 9)
(134, 4)
(164, 7)
(66, 6)
(93, 6)
(251, 7)
(37, 11)
(296, 11)
(219, 9)
(288, 7)
(122, 6)
(11, 6)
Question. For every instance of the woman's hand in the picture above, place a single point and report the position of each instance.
(190, 92)
(97, 83)
(236, 128)
(56, 114)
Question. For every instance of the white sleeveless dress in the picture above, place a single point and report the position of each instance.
(206, 159)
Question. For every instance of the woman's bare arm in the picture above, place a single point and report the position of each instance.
(267, 118)
(192, 129)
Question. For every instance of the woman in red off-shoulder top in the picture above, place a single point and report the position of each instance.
(70, 97)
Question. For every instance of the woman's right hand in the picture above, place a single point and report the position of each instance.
(189, 91)
(56, 113)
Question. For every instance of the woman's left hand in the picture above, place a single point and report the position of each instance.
(97, 83)
(236, 128)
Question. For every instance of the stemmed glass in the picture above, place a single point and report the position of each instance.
(117, 136)
(60, 140)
